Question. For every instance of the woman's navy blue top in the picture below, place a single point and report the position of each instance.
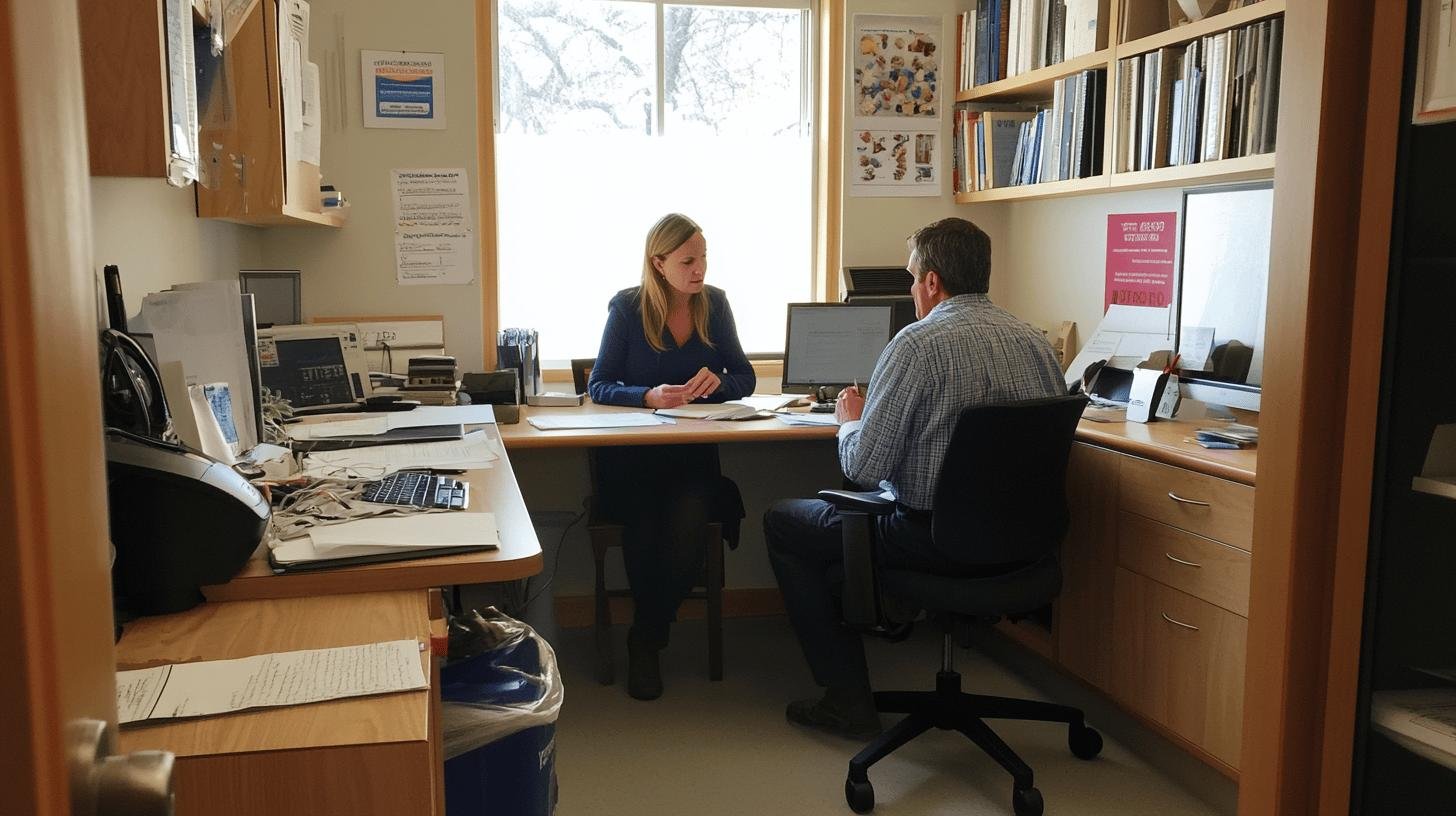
(627, 366)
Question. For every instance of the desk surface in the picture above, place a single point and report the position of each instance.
(1168, 441)
(494, 490)
(217, 631)
(522, 435)
(1163, 441)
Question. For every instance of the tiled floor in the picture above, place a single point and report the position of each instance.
(724, 748)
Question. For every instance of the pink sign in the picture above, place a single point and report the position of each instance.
(1140, 259)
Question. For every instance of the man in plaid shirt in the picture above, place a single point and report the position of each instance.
(963, 352)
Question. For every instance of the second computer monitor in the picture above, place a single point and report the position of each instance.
(834, 344)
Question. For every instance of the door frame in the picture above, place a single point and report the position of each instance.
(56, 625)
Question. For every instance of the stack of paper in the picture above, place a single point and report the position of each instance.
(801, 418)
(473, 452)
(262, 681)
(1421, 720)
(565, 422)
(364, 540)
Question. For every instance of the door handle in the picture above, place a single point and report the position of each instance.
(107, 784)
(1177, 498)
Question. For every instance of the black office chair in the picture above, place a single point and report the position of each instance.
(605, 534)
(1002, 499)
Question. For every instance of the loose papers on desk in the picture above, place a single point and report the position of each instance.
(807, 419)
(407, 536)
(473, 452)
(377, 423)
(267, 680)
(1124, 338)
(565, 422)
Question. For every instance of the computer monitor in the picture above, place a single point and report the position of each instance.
(1222, 290)
(314, 367)
(277, 294)
(834, 344)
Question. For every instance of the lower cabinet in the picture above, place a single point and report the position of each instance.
(1154, 602)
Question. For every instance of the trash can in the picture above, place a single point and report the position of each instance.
(501, 693)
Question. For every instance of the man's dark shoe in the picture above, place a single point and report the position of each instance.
(644, 675)
(859, 722)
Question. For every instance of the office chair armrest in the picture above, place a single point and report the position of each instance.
(861, 596)
(869, 502)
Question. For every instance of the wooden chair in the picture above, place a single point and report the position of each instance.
(605, 535)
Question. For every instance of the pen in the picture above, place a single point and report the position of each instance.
(856, 386)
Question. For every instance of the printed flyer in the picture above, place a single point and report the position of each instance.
(1140, 259)
(403, 89)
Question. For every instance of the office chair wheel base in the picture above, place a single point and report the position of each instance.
(860, 795)
(1084, 741)
(1027, 802)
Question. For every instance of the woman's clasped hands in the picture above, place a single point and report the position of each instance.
(702, 384)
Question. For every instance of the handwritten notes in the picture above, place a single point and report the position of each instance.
(433, 238)
(268, 680)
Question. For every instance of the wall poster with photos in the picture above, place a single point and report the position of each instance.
(895, 137)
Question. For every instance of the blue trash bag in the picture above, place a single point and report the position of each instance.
(498, 715)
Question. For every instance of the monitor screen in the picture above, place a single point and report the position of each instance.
(306, 371)
(1222, 289)
(834, 344)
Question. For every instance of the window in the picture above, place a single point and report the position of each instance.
(612, 113)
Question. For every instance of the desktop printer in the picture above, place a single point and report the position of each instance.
(179, 518)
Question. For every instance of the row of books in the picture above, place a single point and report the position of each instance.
(1003, 38)
(1213, 98)
(1011, 145)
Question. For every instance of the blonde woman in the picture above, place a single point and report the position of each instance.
(668, 342)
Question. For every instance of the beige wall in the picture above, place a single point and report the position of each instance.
(151, 230)
(351, 271)
(1052, 264)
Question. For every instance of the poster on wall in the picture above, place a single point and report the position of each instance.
(895, 163)
(894, 145)
(1140, 259)
(403, 89)
(896, 66)
(434, 241)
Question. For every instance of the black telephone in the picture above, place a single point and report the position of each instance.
(131, 389)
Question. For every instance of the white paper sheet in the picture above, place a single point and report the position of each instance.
(267, 680)
(311, 138)
(200, 326)
(564, 422)
(473, 452)
(368, 426)
(414, 531)
(802, 418)
(1125, 337)
(433, 227)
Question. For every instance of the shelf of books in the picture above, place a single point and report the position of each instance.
(1042, 108)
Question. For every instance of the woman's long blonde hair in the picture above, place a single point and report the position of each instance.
(670, 232)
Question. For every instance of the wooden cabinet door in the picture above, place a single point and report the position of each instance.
(1180, 662)
(1089, 559)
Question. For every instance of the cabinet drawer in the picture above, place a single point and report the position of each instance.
(1180, 662)
(1211, 507)
(1201, 567)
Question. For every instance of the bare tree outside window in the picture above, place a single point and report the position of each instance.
(587, 156)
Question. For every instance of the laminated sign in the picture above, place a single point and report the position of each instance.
(403, 89)
(1140, 259)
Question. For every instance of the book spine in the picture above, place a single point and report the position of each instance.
(1001, 32)
(1271, 84)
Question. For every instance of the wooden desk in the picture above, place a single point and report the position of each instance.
(1167, 441)
(522, 435)
(365, 755)
(492, 490)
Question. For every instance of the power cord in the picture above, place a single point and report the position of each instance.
(556, 560)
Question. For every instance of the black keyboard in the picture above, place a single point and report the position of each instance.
(419, 490)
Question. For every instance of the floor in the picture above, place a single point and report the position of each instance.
(724, 748)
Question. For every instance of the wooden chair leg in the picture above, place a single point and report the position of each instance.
(606, 672)
(714, 592)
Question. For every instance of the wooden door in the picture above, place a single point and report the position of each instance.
(55, 593)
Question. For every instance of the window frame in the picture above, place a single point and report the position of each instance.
(822, 106)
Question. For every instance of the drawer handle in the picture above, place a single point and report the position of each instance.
(1175, 559)
(1177, 498)
(1179, 623)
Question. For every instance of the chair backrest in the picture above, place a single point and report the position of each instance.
(581, 369)
(1002, 490)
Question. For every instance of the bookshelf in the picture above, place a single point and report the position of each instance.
(1125, 16)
